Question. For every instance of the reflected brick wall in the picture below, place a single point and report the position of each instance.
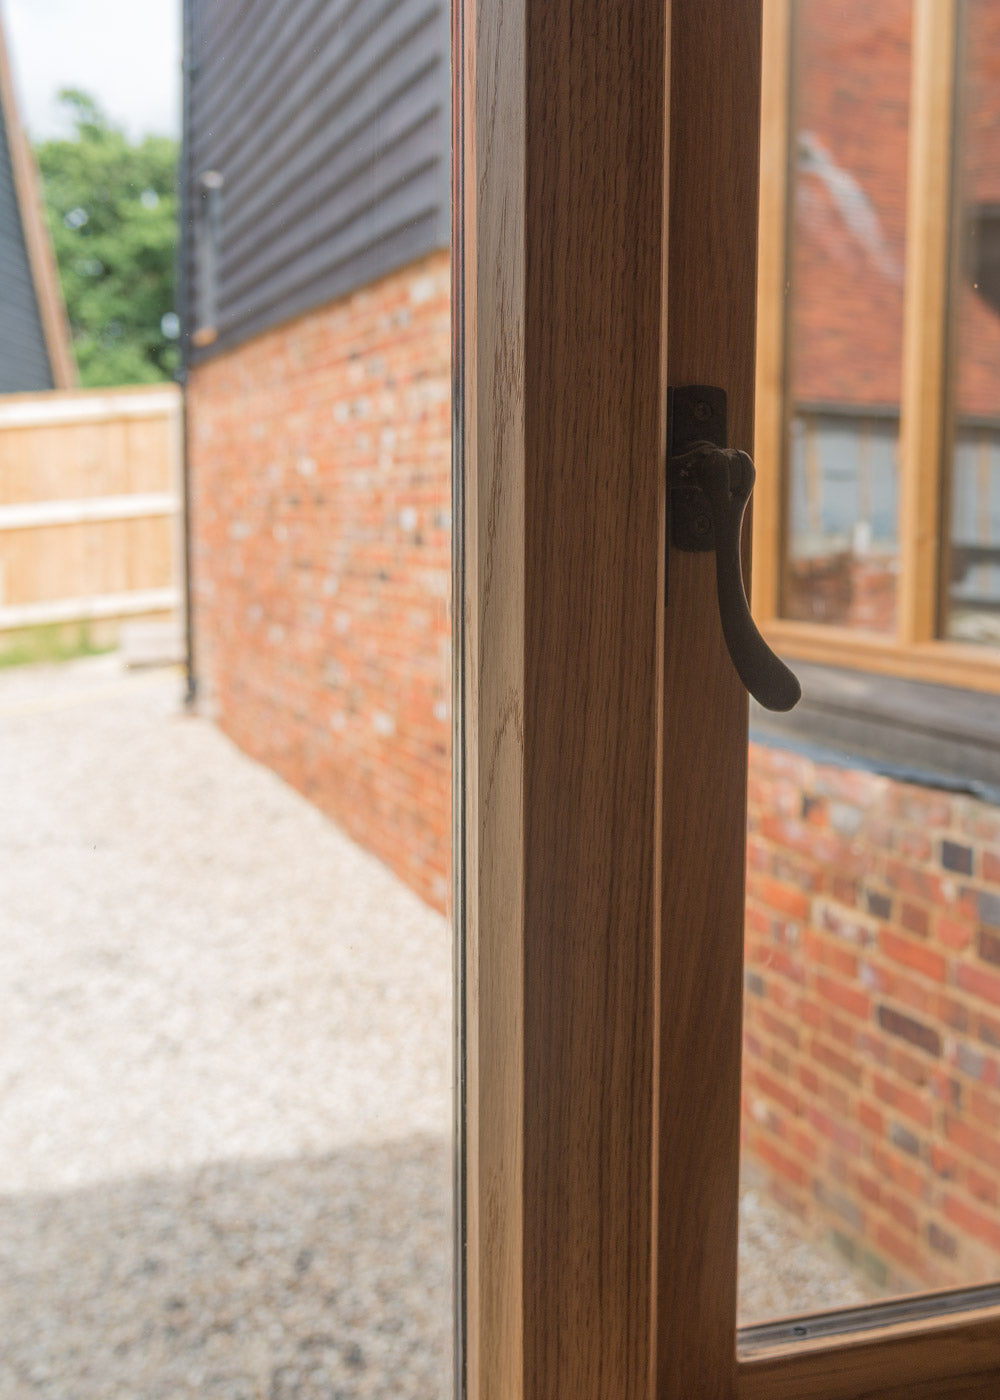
(846, 590)
(851, 127)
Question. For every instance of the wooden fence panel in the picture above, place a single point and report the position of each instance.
(90, 506)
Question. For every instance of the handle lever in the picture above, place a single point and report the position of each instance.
(727, 476)
(710, 485)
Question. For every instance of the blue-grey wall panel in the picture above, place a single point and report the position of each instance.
(329, 123)
(24, 359)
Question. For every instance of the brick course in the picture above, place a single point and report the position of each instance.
(320, 466)
(871, 1066)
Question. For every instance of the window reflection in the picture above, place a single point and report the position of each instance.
(847, 216)
(972, 546)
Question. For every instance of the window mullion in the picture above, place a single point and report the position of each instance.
(925, 316)
(770, 411)
(710, 330)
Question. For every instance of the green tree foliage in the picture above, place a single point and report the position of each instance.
(112, 210)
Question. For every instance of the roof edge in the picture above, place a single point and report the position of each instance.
(41, 255)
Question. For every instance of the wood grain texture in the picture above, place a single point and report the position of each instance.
(959, 1360)
(492, 287)
(55, 324)
(564, 459)
(594, 455)
(925, 313)
(714, 119)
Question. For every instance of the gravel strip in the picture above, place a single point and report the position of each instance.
(781, 1273)
(225, 1076)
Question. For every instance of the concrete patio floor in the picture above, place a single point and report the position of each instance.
(225, 1076)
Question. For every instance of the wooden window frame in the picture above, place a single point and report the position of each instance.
(605, 218)
(915, 650)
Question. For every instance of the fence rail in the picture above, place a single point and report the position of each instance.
(90, 506)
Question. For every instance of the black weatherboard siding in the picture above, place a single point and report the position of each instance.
(24, 359)
(328, 121)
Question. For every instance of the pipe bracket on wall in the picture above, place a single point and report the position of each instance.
(709, 485)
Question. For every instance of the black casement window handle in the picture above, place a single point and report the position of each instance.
(709, 487)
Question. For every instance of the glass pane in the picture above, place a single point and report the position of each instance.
(846, 220)
(971, 551)
(871, 1075)
(871, 1085)
(226, 1146)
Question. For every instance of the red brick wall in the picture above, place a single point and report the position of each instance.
(872, 1038)
(320, 466)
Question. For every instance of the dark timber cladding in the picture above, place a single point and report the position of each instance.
(329, 123)
(24, 359)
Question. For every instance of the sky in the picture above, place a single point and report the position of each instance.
(126, 53)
